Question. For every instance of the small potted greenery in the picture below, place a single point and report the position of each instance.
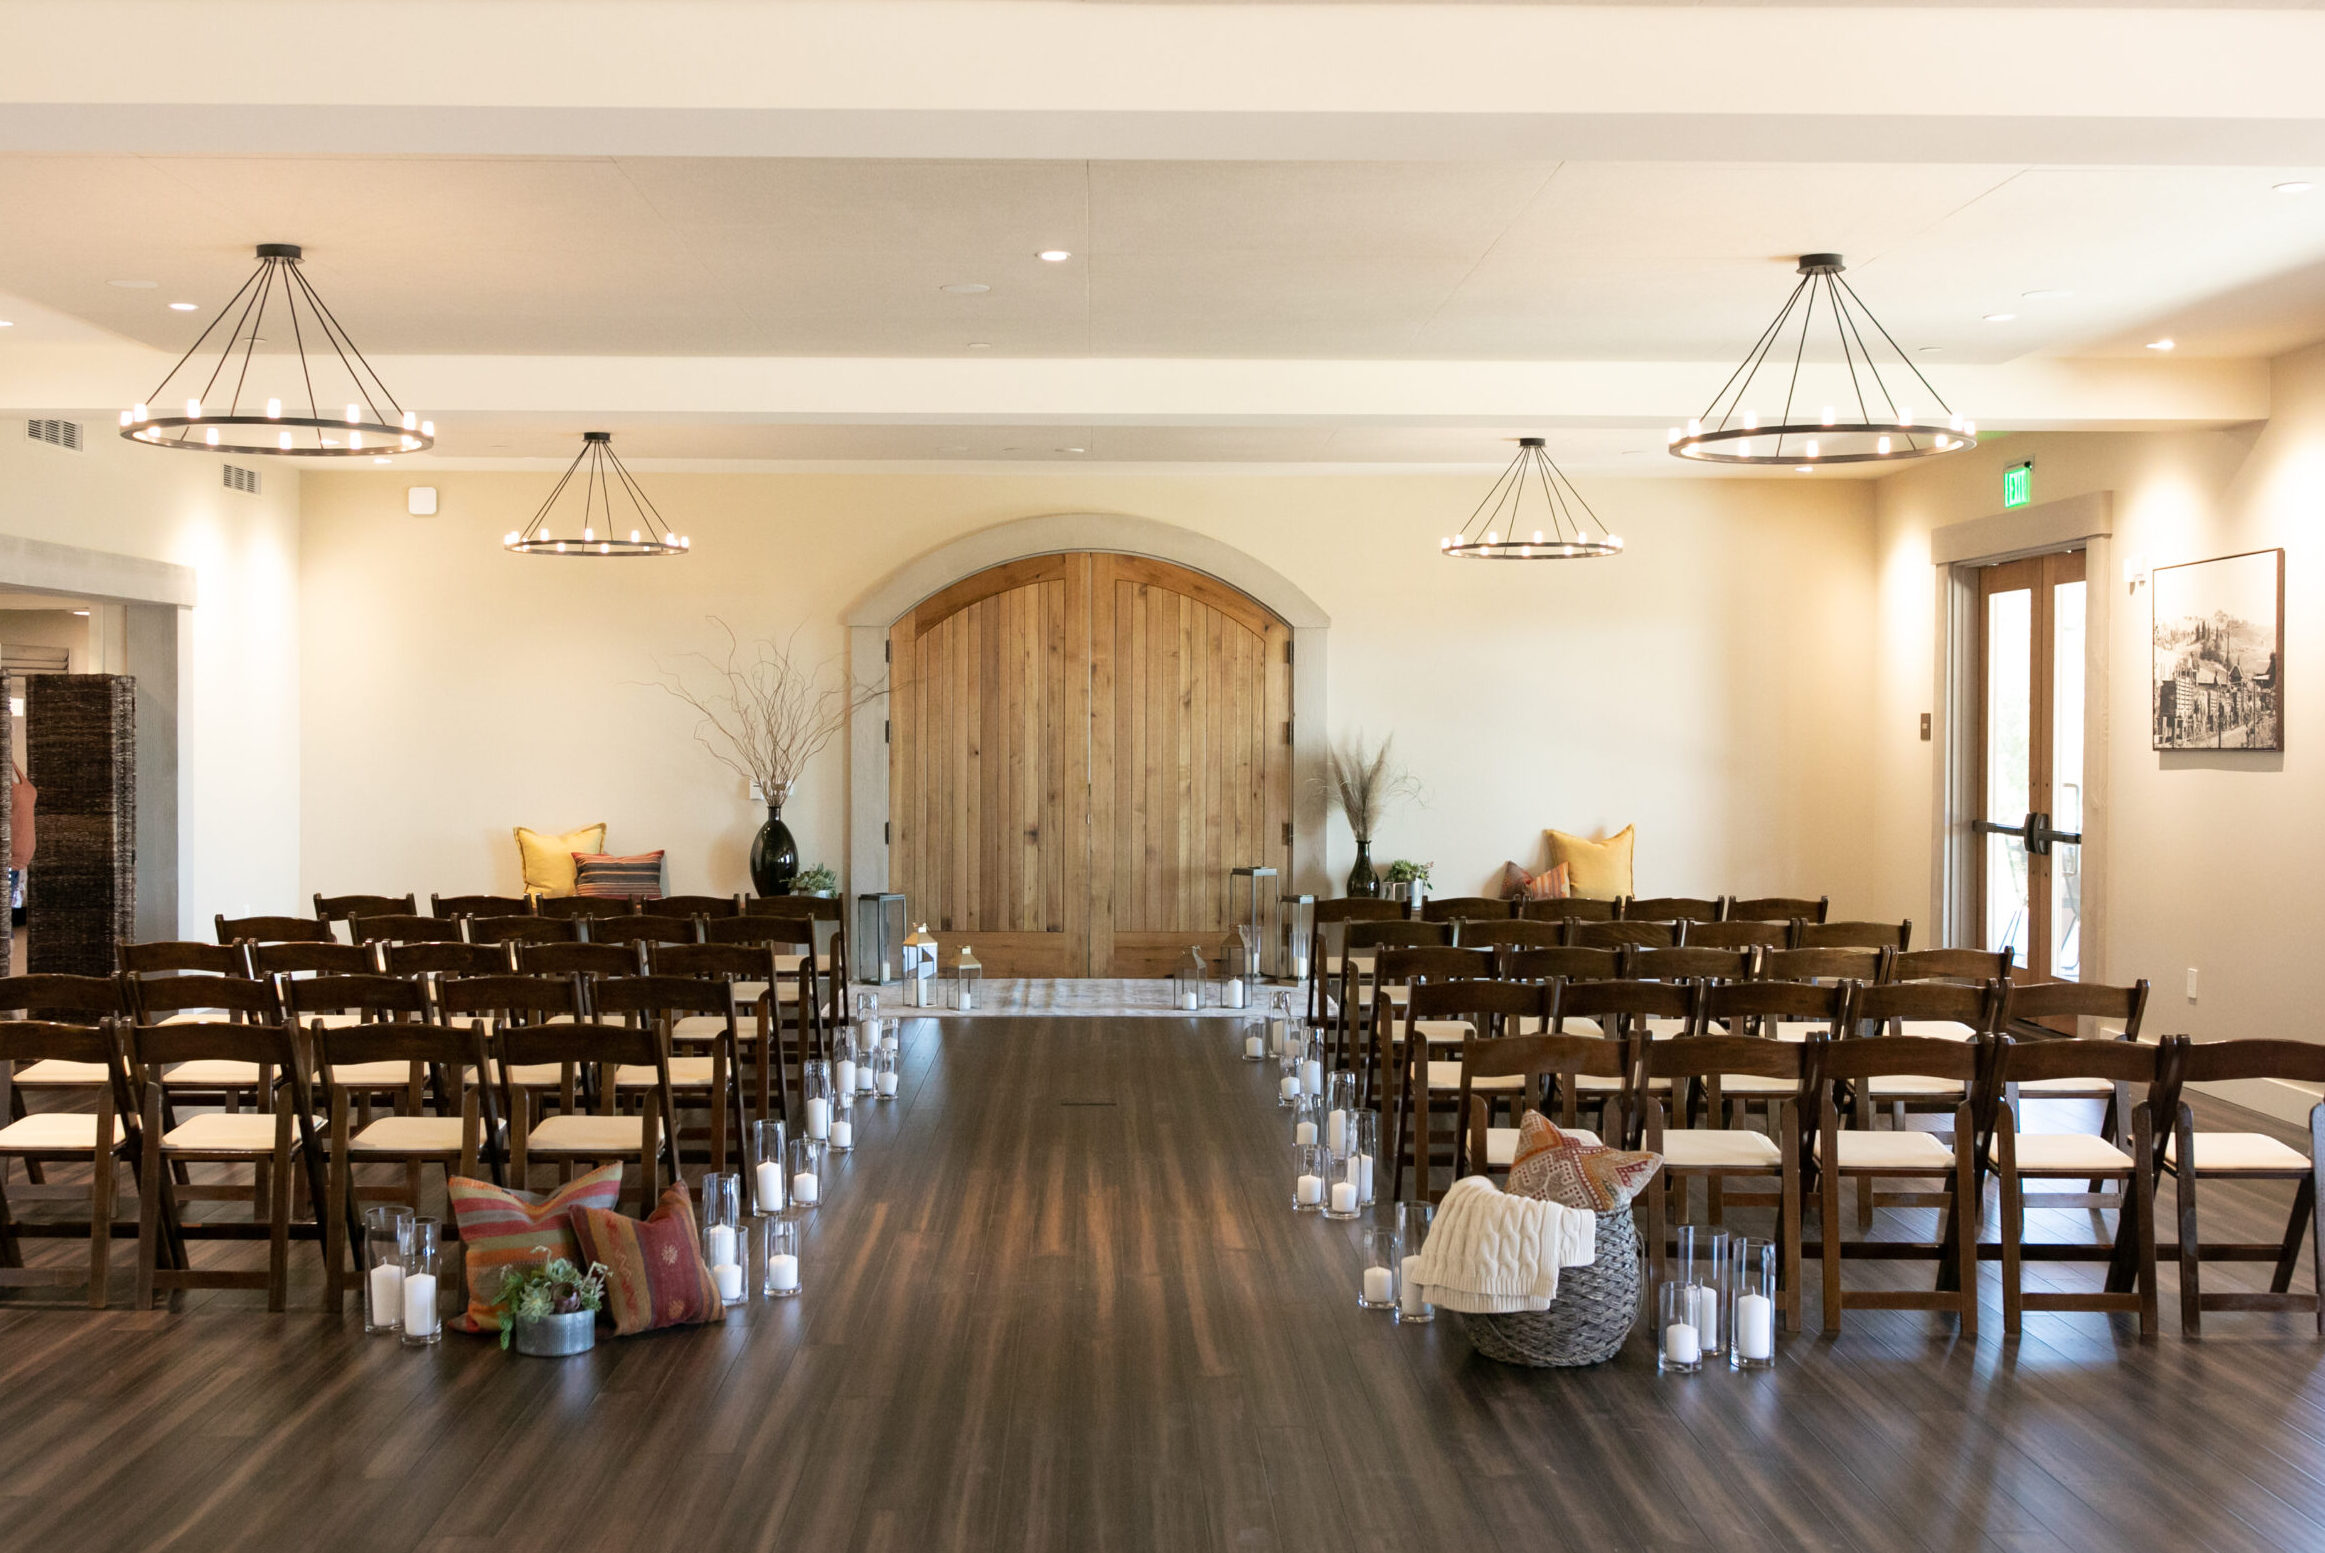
(1408, 880)
(815, 879)
(550, 1310)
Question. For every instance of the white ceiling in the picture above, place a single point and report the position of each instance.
(1495, 261)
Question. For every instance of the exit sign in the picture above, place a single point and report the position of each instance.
(2018, 484)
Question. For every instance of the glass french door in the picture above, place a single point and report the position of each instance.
(2029, 821)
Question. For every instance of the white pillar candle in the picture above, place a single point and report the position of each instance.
(386, 1294)
(873, 1029)
(770, 1180)
(1312, 1076)
(1336, 1132)
(719, 1241)
(1379, 1284)
(1254, 1047)
(887, 1083)
(1299, 967)
(1681, 1344)
(1311, 1189)
(863, 1078)
(843, 1134)
(1343, 1197)
(844, 1080)
(1235, 993)
(803, 1188)
(420, 1304)
(1364, 1177)
(1303, 1132)
(1291, 1088)
(1707, 1317)
(819, 1119)
(1275, 1036)
(729, 1278)
(783, 1270)
(1409, 1292)
(1755, 1326)
(968, 998)
(1189, 1001)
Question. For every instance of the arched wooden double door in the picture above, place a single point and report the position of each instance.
(1081, 747)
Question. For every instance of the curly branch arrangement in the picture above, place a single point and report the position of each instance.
(765, 714)
(1361, 786)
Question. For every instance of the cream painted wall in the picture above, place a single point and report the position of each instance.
(238, 758)
(2216, 861)
(1710, 685)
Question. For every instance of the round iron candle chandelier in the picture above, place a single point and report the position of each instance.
(1881, 429)
(1496, 531)
(599, 531)
(373, 424)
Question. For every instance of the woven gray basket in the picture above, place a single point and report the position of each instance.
(1588, 1321)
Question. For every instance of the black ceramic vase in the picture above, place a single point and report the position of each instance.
(1362, 881)
(774, 855)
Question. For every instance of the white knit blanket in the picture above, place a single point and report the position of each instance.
(1489, 1253)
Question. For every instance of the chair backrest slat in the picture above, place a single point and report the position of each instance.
(1687, 964)
(502, 996)
(404, 928)
(48, 997)
(2030, 1001)
(2112, 1062)
(1570, 908)
(172, 957)
(444, 959)
(1821, 965)
(311, 959)
(1978, 966)
(524, 930)
(156, 996)
(480, 905)
(660, 995)
(567, 907)
(367, 994)
(1614, 934)
(1778, 999)
(578, 959)
(1781, 909)
(1463, 908)
(1478, 933)
(1853, 935)
(698, 906)
(1667, 908)
(342, 908)
(641, 929)
(735, 962)
(1551, 964)
(792, 935)
(272, 930)
(1735, 935)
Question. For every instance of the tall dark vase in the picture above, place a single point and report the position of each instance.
(1362, 881)
(774, 855)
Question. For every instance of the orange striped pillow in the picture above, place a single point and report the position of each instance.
(654, 1272)
(502, 1229)
(1548, 885)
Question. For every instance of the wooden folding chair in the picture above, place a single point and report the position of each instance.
(345, 908)
(1375, 1046)
(1928, 1010)
(1332, 919)
(1428, 1086)
(1852, 935)
(273, 930)
(1566, 909)
(831, 957)
(1734, 935)
(405, 928)
(102, 1140)
(1616, 934)
(1358, 985)
(1618, 1010)
(1465, 908)
(790, 940)
(522, 930)
(271, 1139)
(592, 1138)
(587, 964)
(2018, 1157)
(567, 907)
(1783, 910)
(741, 968)
(2191, 1157)
(489, 1003)
(480, 905)
(1543, 1066)
(663, 1001)
(1667, 908)
(642, 928)
(1497, 933)
(699, 906)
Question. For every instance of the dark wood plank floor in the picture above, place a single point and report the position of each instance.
(1057, 1301)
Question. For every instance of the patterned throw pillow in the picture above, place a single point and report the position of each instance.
(622, 878)
(1519, 885)
(654, 1272)
(1551, 1166)
(503, 1229)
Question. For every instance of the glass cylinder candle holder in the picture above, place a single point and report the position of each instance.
(1678, 1341)
(767, 1189)
(884, 1075)
(1712, 1248)
(422, 1253)
(722, 1234)
(1312, 1063)
(867, 1058)
(1363, 1149)
(1413, 1220)
(1305, 1128)
(1377, 1289)
(815, 1087)
(843, 1066)
(867, 1005)
(806, 1177)
(1339, 1108)
(384, 1228)
(1251, 1040)
(1311, 1169)
(779, 1240)
(1340, 1199)
(1288, 1084)
(1752, 1322)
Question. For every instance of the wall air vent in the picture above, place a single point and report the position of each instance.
(57, 434)
(240, 479)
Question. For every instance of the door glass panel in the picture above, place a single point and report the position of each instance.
(2009, 738)
(2066, 870)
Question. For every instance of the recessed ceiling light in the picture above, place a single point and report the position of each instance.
(2000, 318)
(980, 345)
(1073, 450)
(1929, 350)
(965, 288)
(2159, 345)
(2044, 295)
(2297, 186)
(1054, 255)
(81, 612)
(183, 307)
(134, 285)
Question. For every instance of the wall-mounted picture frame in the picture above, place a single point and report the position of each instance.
(2219, 635)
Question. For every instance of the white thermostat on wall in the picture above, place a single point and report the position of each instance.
(420, 501)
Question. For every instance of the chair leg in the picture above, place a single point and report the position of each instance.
(101, 1188)
(2141, 1186)
(278, 1248)
(1966, 1219)
(2317, 1211)
(2191, 1287)
(336, 1237)
(1658, 1239)
(149, 1190)
(1829, 1213)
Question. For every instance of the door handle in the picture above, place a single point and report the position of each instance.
(2034, 832)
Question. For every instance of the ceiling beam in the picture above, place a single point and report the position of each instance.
(954, 78)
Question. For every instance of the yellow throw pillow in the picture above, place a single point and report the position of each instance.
(1595, 870)
(548, 860)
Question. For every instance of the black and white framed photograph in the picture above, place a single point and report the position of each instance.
(2219, 653)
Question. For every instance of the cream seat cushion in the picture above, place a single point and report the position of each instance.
(533, 1075)
(1440, 1032)
(709, 1027)
(2069, 1153)
(250, 1132)
(2240, 1153)
(1738, 1086)
(1914, 1086)
(588, 1135)
(1710, 1147)
(1447, 1076)
(214, 1075)
(1906, 1152)
(56, 1073)
(2073, 1088)
(63, 1131)
(410, 1135)
(1661, 1028)
(685, 1073)
(371, 1075)
(1935, 1029)
(1501, 1143)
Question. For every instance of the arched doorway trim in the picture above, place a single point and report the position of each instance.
(869, 618)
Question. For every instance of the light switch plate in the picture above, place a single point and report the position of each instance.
(420, 501)
(2191, 984)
